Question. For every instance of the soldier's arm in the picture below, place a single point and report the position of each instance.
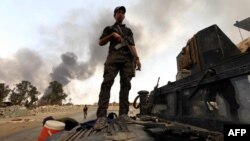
(137, 59)
(103, 41)
(134, 52)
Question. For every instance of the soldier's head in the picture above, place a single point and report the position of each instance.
(119, 14)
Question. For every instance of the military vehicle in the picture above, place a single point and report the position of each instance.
(212, 89)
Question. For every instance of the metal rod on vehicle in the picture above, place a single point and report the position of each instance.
(240, 34)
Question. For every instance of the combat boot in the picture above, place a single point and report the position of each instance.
(101, 123)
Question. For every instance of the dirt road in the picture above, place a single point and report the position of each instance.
(31, 133)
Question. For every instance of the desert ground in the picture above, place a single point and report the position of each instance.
(11, 125)
(16, 124)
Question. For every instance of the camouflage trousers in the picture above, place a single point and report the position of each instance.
(126, 70)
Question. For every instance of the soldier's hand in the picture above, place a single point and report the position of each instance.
(117, 37)
(138, 64)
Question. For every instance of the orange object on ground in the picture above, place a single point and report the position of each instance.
(50, 127)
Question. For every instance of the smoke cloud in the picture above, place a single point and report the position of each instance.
(27, 65)
(78, 41)
(70, 69)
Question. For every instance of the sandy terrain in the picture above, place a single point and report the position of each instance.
(12, 125)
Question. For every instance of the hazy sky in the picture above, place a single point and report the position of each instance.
(45, 40)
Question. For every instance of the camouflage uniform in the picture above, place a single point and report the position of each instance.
(117, 61)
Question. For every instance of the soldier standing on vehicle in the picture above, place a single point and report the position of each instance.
(122, 59)
(85, 111)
